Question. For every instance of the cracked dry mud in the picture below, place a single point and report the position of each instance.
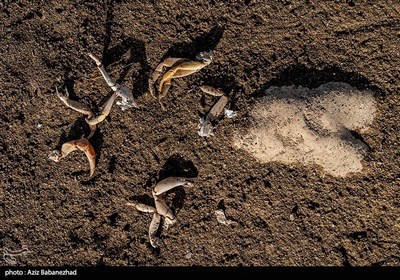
(283, 214)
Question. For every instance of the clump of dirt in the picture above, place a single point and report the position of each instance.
(317, 126)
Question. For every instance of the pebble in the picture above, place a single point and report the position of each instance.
(188, 256)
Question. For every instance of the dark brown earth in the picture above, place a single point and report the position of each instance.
(286, 215)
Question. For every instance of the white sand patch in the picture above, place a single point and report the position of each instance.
(299, 125)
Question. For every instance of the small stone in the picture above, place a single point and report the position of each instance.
(221, 218)
(188, 256)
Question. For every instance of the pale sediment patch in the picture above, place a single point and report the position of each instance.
(299, 125)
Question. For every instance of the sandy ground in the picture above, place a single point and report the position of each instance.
(322, 126)
(284, 214)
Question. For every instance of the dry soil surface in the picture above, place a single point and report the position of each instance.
(283, 214)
